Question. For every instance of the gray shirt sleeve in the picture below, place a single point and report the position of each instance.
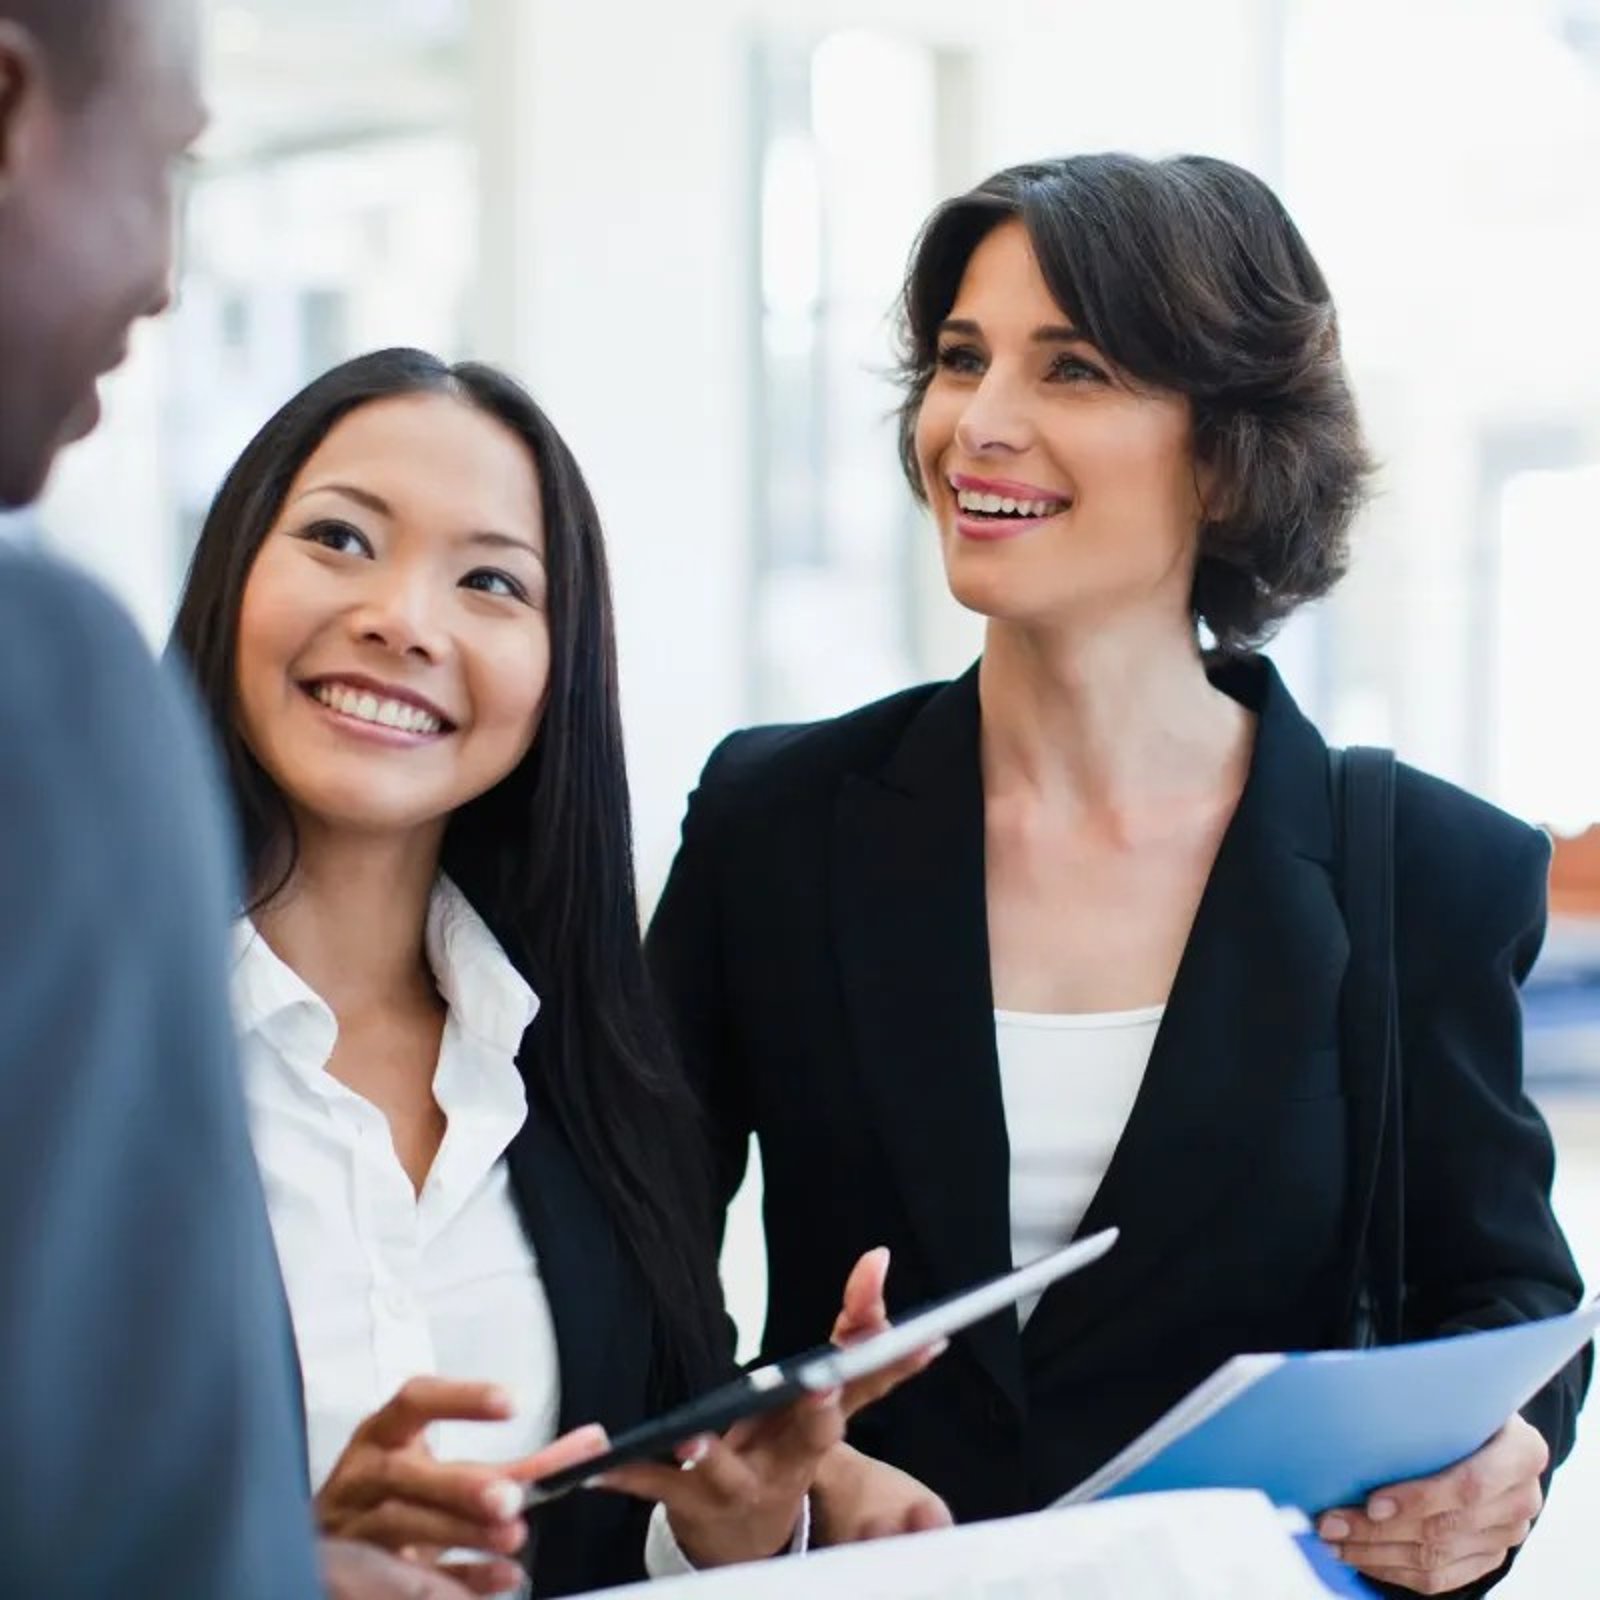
(149, 1439)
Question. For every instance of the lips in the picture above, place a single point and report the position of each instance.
(1007, 489)
(989, 509)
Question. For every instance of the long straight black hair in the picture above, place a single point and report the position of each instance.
(545, 857)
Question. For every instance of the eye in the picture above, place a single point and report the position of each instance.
(339, 537)
(960, 358)
(1068, 368)
(490, 580)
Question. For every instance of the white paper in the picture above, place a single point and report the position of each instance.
(1212, 1544)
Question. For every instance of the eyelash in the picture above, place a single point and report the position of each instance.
(516, 591)
(966, 359)
(326, 533)
(1074, 369)
(320, 532)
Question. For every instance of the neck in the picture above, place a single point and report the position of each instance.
(352, 921)
(1108, 719)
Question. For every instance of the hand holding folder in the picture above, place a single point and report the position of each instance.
(1324, 1430)
(1453, 1527)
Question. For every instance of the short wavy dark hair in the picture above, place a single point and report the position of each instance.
(1189, 275)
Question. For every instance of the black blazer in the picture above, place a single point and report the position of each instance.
(822, 943)
(605, 1341)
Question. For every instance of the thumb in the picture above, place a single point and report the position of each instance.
(580, 1445)
(927, 1514)
(864, 1311)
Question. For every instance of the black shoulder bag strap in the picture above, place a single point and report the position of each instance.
(1369, 1026)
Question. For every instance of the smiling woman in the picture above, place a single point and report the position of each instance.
(1062, 943)
(411, 620)
(478, 1156)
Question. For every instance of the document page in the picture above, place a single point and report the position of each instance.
(1215, 1544)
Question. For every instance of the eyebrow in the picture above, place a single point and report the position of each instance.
(362, 497)
(484, 538)
(1059, 333)
(504, 541)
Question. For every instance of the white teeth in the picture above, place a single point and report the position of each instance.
(994, 504)
(367, 707)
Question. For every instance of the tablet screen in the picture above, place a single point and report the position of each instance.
(827, 1367)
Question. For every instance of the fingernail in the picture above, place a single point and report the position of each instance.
(938, 1348)
(823, 1399)
(1381, 1509)
(502, 1499)
(498, 1399)
(1334, 1528)
(694, 1452)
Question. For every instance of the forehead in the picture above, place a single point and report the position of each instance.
(1002, 278)
(440, 463)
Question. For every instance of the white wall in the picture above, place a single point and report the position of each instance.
(617, 276)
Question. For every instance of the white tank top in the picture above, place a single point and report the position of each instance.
(1069, 1083)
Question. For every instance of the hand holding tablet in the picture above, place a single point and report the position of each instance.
(821, 1370)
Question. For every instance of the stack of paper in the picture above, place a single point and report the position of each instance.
(1208, 1545)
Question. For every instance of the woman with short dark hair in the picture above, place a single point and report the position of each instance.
(1063, 943)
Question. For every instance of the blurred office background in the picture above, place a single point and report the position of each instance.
(684, 225)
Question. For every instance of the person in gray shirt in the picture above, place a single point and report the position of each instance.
(149, 1440)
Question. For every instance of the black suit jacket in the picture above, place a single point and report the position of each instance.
(822, 944)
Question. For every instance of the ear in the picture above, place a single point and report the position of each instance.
(22, 94)
(1216, 494)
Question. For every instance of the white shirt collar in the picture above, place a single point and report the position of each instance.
(486, 994)
(488, 998)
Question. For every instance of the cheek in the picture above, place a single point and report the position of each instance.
(1149, 471)
(508, 692)
(936, 424)
(275, 623)
(252, 670)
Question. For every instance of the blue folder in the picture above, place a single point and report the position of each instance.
(1324, 1430)
(1336, 1577)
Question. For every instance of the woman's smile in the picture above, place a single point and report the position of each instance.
(385, 715)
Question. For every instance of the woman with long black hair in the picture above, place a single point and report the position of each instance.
(484, 1175)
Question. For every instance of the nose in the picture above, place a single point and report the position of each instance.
(996, 419)
(398, 614)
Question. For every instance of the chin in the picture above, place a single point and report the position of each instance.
(23, 479)
(367, 813)
(1001, 596)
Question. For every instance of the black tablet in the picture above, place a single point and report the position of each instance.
(779, 1383)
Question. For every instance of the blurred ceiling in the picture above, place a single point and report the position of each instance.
(292, 76)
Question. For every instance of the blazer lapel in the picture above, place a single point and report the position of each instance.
(1255, 999)
(911, 932)
(602, 1333)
